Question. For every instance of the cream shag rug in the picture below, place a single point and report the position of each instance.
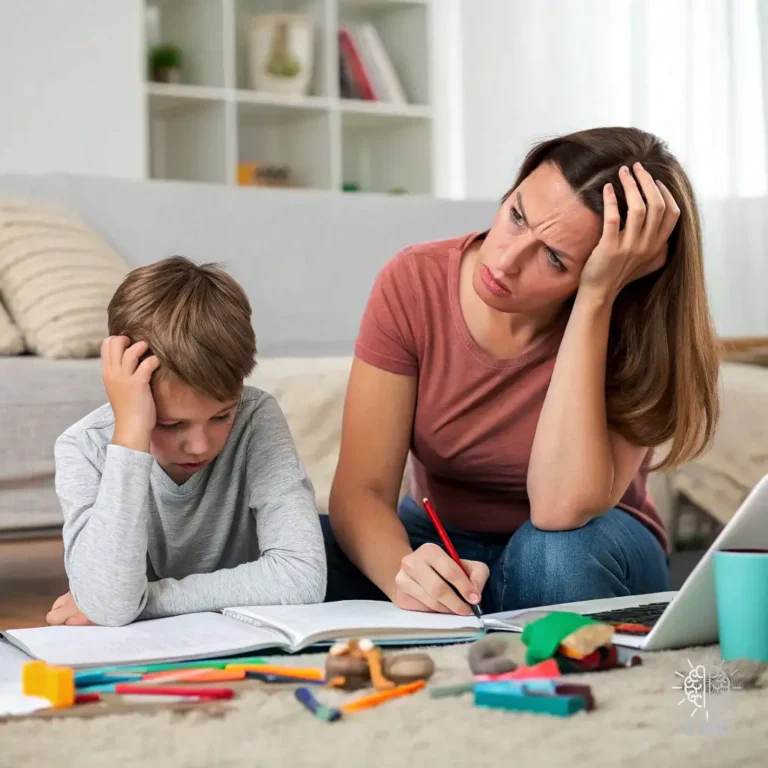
(637, 722)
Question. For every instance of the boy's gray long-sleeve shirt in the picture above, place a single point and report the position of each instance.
(243, 531)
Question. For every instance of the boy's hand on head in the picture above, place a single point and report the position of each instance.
(126, 380)
(65, 611)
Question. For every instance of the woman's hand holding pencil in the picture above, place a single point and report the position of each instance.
(435, 579)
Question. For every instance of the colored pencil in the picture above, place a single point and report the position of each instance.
(165, 698)
(199, 675)
(328, 714)
(381, 696)
(311, 673)
(83, 681)
(283, 678)
(451, 550)
(87, 698)
(168, 666)
(174, 690)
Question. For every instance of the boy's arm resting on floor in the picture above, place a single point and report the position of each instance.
(105, 529)
(291, 566)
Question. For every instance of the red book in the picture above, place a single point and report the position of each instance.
(356, 66)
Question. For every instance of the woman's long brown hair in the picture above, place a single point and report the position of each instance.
(663, 353)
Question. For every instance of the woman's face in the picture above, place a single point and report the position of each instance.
(541, 237)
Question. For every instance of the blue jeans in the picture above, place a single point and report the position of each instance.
(611, 556)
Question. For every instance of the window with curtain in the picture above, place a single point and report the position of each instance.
(691, 71)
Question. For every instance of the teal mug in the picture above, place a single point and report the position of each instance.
(741, 593)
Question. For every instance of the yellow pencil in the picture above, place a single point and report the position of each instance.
(379, 698)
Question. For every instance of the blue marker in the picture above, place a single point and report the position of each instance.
(329, 714)
(102, 678)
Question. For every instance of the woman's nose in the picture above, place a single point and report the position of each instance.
(512, 258)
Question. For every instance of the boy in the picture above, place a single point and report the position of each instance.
(185, 493)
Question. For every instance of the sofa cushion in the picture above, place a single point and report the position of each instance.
(39, 399)
(56, 277)
(310, 392)
(11, 340)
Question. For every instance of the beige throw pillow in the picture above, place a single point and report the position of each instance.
(56, 277)
(11, 340)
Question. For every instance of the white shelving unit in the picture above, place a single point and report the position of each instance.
(200, 129)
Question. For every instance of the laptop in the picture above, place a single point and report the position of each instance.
(677, 619)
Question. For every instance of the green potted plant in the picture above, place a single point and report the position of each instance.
(165, 63)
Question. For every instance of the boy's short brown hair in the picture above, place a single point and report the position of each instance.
(195, 318)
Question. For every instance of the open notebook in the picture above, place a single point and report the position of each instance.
(244, 630)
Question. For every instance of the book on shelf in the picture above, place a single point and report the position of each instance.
(365, 68)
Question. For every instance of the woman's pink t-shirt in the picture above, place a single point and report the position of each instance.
(476, 415)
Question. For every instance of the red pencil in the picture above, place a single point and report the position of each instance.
(449, 547)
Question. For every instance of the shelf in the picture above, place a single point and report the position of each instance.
(381, 153)
(170, 98)
(257, 103)
(380, 114)
(315, 9)
(298, 138)
(224, 117)
(189, 144)
(197, 27)
(402, 28)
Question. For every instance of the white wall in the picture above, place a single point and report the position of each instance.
(71, 93)
(522, 84)
(447, 94)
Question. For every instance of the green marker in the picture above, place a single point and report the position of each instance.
(451, 690)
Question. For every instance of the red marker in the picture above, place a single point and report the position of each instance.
(454, 555)
(175, 690)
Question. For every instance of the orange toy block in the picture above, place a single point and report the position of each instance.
(57, 684)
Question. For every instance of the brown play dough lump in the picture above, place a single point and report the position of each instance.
(489, 656)
(408, 667)
(354, 671)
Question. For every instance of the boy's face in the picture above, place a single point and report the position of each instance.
(190, 429)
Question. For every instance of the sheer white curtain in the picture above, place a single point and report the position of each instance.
(691, 71)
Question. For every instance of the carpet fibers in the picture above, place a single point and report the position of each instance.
(637, 722)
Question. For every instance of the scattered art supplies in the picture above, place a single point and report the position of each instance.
(240, 631)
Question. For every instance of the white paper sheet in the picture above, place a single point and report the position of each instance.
(14, 702)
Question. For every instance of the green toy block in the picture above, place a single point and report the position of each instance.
(501, 698)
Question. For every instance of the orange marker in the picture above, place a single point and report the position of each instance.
(308, 673)
(198, 675)
(379, 698)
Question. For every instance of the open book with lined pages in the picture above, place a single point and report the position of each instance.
(243, 630)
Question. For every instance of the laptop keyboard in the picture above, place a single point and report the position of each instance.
(638, 615)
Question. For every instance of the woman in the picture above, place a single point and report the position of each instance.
(530, 370)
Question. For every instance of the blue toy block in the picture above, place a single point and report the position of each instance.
(501, 696)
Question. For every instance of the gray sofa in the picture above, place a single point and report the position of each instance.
(306, 259)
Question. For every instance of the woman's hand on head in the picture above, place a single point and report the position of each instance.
(641, 247)
(423, 582)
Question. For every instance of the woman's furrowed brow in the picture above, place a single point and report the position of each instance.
(560, 254)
